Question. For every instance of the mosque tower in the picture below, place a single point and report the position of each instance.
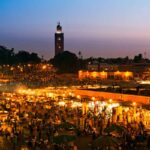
(59, 40)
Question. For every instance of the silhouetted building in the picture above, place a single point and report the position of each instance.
(59, 40)
(96, 66)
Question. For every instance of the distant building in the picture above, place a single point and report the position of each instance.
(108, 67)
(96, 66)
(59, 40)
(141, 70)
(104, 75)
(92, 67)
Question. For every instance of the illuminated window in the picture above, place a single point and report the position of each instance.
(58, 38)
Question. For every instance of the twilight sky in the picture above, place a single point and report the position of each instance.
(98, 28)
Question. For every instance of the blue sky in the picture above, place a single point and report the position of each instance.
(106, 28)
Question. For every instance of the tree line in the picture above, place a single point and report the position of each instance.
(65, 62)
(8, 56)
(70, 62)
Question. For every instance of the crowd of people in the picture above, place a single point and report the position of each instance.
(35, 125)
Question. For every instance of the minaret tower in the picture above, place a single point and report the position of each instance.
(59, 40)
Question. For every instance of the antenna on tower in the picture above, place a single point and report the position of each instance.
(145, 55)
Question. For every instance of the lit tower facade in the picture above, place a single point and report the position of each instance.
(59, 40)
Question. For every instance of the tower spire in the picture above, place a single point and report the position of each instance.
(59, 28)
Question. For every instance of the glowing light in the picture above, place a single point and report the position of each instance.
(12, 68)
(144, 82)
(44, 67)
(63, 95)
(50, 94)
(127, 74)
(96, 102)
(29, 65)
(62, 103)
(94, 74)
(110, 100)
(78, 96)
(58, 32)
(115, 105)
(134, 103)
(91, 104)
(126, 109)
(93, 98)
(103, 104)
(76, 104)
